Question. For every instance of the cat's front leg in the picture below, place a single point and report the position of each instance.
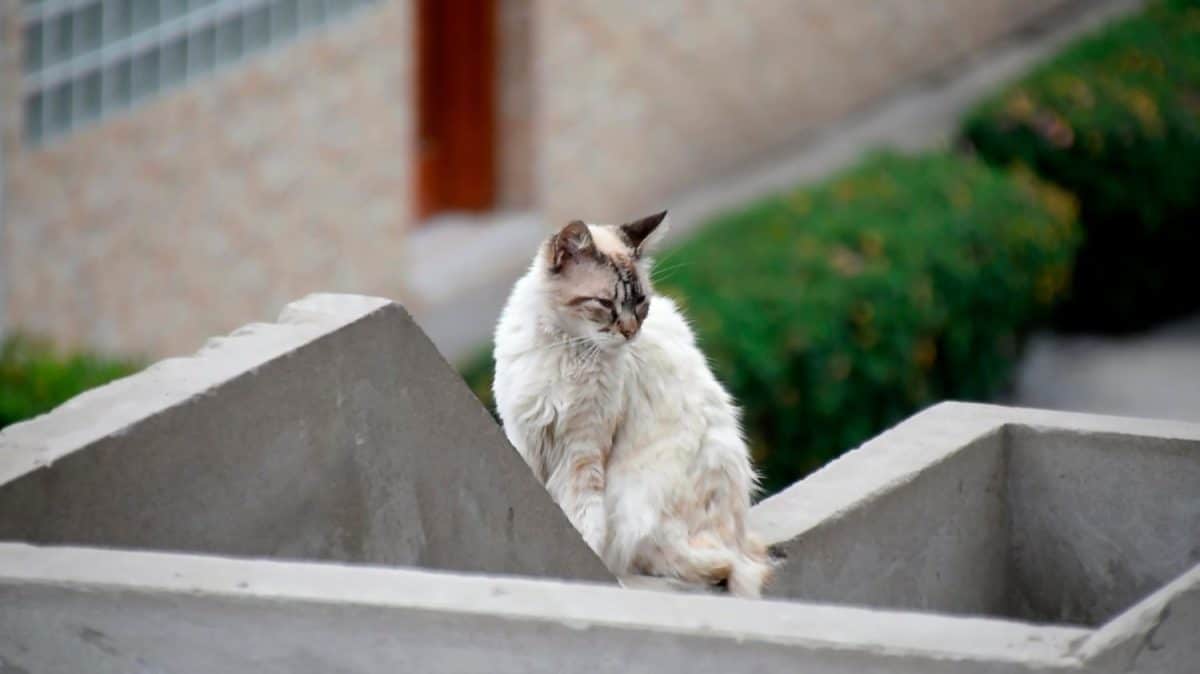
(577, 485)
(593, 523)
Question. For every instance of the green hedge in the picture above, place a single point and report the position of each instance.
(35, 378)
(478, 373)
(1115, 119)
(833, 312)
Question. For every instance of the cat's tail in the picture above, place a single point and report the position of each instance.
(700, 562)
(707, 560)
(751, 570)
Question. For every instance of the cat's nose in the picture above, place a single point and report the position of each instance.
(627, 326)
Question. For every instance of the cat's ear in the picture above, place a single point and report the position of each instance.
(644, 232)
(571, 243)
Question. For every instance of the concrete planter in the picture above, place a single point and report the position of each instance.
(324, 494)
(1066, 521)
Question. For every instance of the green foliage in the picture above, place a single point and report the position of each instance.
(478, 373)
(833, 312)
(35, 379)
(1115, 119)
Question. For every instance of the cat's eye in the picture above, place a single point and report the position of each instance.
(607, 304)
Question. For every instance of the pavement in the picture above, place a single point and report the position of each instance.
(1154, 375)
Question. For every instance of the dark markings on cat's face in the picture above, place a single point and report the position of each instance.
(630, 303)
(597, 309)
(597, 279)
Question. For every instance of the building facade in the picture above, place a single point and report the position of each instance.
(173, 168)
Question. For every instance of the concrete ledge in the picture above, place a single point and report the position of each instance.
(125, 611)
(897, 455)
(108, 410)
(338, 433)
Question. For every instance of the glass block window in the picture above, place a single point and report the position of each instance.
(86, 59)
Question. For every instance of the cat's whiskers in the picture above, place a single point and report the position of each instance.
(554, 345)
(670, 254)
(661, 273)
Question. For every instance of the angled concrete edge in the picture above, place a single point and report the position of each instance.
(146, 608)
(113, 408)
(906, 450)
(1156, 635)
(337, 433)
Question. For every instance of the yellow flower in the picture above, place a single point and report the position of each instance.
(1019, 106)
(925, 353)
(1061, 204)
(1145, 109)
(863, 313)
(960, 196)
(870, 243)
(839, 367)
(800, 202)
(845, 261)
(1050, 283)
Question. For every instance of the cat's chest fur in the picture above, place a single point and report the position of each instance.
(589, 396)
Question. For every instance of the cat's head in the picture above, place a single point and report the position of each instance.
(598, 278)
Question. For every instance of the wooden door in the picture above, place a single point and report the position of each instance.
(455, 105)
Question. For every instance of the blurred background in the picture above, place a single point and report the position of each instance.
(876, 205)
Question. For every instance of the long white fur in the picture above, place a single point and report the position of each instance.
(637, 441)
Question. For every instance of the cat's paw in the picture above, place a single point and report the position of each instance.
(594, 530)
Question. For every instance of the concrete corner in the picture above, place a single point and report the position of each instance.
(336, 433)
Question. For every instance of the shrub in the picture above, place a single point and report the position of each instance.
(35, 379)
(477, 371)
(1115, 119)
(833, 312)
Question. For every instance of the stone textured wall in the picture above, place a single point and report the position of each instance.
(217, 203)
(516, 105)
(10, 119)
(640, 99)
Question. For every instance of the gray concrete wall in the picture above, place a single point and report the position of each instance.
(939, 543)
(1023, 514)
(113, 612)
(3, 280)
(338, 433)
(1041, 524)
(1098, 520)
(10, 125)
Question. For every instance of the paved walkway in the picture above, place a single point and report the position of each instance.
(1155, 375)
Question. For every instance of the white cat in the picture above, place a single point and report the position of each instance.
(603, 391)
